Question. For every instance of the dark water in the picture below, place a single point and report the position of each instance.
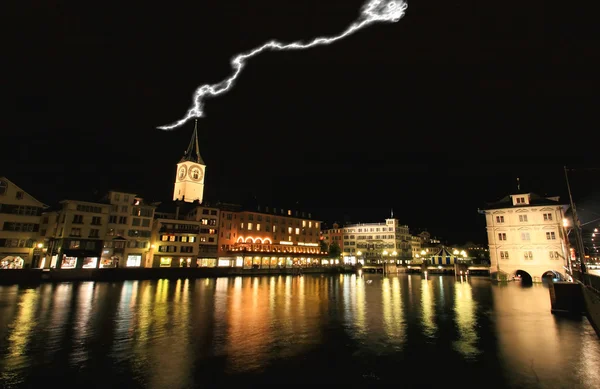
(325, 331)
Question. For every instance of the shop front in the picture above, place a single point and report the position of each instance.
(12, 261)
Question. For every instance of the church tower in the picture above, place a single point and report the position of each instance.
(189, 183)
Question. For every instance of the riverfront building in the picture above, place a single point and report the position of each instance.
(526, 236)
(19, 227)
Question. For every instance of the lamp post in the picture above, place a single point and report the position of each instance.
(577, 227)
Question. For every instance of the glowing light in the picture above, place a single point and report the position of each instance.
(373, 11)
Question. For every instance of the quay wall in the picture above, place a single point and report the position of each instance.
(28, 276)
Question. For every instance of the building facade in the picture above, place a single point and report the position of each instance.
(20, 214)
(374, 243)
(129, 230)
(526, 234)
(269, 238)
(74, 235)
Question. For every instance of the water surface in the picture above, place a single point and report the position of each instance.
(338, 331)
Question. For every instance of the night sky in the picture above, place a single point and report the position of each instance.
(432, 116)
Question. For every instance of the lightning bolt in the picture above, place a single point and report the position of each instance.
(373, 11)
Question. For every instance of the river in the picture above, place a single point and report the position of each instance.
(314, 330)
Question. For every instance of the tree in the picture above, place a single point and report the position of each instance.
(324, 247)
(334, 250)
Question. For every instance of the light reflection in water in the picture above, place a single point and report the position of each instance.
(530, 342)
(393, 312)
(427, 309)
(212, 332)
(22, 328)
(82, 325)
(465, 313)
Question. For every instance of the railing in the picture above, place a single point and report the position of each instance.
(590, 280)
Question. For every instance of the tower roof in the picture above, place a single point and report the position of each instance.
(192, 153)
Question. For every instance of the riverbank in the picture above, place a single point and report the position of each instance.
(28, 276)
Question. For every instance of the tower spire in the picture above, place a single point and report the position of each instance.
(193, 151)
(518, 184)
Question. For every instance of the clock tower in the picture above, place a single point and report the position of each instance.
(189, 182)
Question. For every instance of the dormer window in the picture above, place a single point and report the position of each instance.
(3, 187)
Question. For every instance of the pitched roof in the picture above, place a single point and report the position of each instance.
(534, 200)
(192, 153)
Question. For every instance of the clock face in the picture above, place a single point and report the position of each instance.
(182, 172)
(196, 173)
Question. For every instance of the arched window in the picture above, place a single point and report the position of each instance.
(3, 187)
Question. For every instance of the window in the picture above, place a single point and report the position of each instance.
(523, 218)
(90, 262)
(134, 260)
(528, 255)
(94, 233)
(502, 236)
(525, 236)
(503, 254)
(551, 235)
(20, 195)
(547, 217)
(74, 244)
(75, 231)
(499, 219)
(249, 226)
(3, 187)
(554, 255)
(96, 220)
(165, 261)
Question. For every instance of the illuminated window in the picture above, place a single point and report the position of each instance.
(165, 261)
(289, 230)
(289, 212)
(297, 231)
(184, 238)
(192, 239)
(172, 238)
(134, 260)
(164, 238)
(303, 223)
(249, 226)
(257, 226)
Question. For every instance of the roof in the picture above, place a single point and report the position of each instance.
(534, 200)
(192, 153)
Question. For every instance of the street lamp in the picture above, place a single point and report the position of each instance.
(394, 254)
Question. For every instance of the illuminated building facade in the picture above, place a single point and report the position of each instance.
(525, 232)
(269, 238)
(74, 235)
(128, 232)
(189, 181)
(373, 243)
(20, 215)
(174, 243)
(334, 235)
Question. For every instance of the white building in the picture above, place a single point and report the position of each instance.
(20, 215)
(372, 243)
(526, 235)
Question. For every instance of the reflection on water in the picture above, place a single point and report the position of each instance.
(466, 320)
(262, 331)
(427, 308)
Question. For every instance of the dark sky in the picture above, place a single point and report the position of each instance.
(431, 116)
